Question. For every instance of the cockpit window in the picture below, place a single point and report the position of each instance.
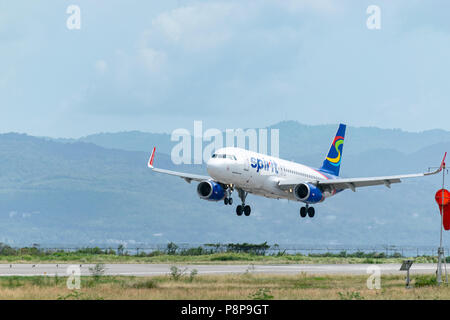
(224, 156)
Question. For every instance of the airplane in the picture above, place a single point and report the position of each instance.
(234, 169)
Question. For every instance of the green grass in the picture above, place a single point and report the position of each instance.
(216, 258)
(425, 280)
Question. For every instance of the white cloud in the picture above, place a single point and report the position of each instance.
(206, 25)
(325, 6)
(152, 59)
(200, 25)
(101, 66)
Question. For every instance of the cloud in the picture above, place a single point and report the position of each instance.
(152, 59)
(196, 56)
(323, 6)
(231, 63)
(101, 66)
(198, 26)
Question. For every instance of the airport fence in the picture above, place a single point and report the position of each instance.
(259, 249)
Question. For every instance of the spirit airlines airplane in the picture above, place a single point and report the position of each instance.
(235, 169)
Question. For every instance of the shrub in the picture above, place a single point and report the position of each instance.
(226, 257)
(97, 271)
(6, 250)
(350, 296)
(95, 250)
(258, 249)
(12, 282)
(155, 253)
(147, 284)
(176, 273)
(193, 273)
(171, 248)
(194, 252)
(261, 294)
(425, 280)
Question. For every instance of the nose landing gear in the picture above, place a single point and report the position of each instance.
(228, 200)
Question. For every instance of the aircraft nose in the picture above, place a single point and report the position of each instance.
(212, 166)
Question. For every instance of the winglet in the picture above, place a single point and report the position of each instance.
(441, 167)
(443, 162)
(152, 157)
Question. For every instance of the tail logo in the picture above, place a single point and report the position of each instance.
(338, 141)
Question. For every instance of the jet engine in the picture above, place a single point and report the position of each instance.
(308, 193)
(210, 190)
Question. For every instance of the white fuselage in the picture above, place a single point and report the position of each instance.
(258, 173)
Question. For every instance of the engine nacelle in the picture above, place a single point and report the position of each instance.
(210, 190)
(308, 193)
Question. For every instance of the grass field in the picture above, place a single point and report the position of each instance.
(216, 258)
(239, 286)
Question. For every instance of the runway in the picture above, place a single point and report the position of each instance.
(164, 269)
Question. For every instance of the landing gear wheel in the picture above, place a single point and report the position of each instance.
(303, 212)
(247, 210)
(311, 212)
(230, 201)
(226, 201)
(239, 210)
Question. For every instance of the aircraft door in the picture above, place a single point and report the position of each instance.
(247, 176)
(247, 164)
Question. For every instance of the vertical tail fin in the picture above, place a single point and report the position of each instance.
(332, 162)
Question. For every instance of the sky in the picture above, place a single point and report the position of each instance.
(156, 66)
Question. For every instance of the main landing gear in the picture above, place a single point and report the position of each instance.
(245, 209)
(241, 208)
(307, 210)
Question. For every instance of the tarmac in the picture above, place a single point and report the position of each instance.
(164, 269)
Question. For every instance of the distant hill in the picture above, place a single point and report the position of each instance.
(98, 189)
(296, 139)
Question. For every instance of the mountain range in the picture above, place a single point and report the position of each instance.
(98, 190)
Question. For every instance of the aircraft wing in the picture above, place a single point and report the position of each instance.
(186, 176)
(353, 183)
